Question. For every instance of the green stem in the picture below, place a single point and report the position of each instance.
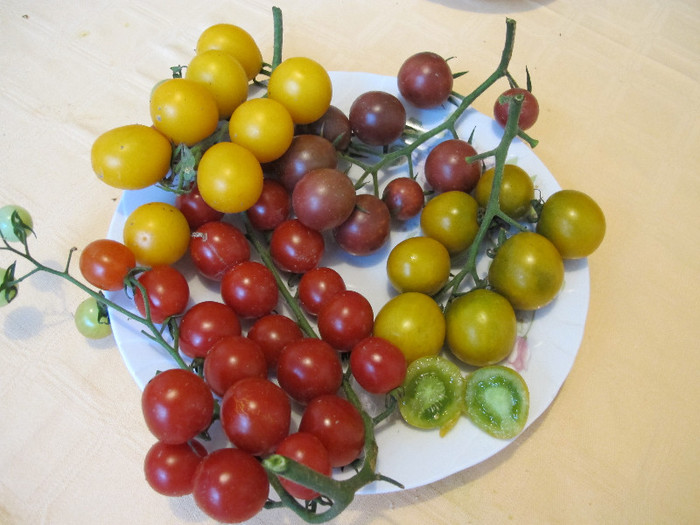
(277, 49)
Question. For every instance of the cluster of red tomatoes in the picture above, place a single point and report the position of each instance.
(278, 168)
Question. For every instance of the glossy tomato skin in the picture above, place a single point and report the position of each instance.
(157, 233)
(223, 76)
(230, 359)
(255, 415)
(308, 450)
(250, 289)
(295, 247)
(263, 126)
(308, 368)
(216, 247)
(195, 209)
(317, 286)
(302, 86)
(367, 228)
(334, 126)
(233, 40)
(177, 405)
(451, 219)
(446, 168)
(377, 118)
(170, 469)
(425, 80)
(306, 153)
(167, 290)
(377, 365)
(89, 319)
(345, 319)
(527, 270)
(516, 193)
(104, 263)
(418, 264)
(404, 197)
(529, 111)
(204, 324)
(338, 425)
(272, 207)
(131, 157)
(230, 486)
(272, 333)
(323, 199)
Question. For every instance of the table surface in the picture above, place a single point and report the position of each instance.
(618, 84)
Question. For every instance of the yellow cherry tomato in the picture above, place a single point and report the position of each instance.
(302, 86)
(236, 41)
(157, 233)
(223, 75)
(184, 110)
(516, 194)
(263, 126)
(131, 157)
(414, 323)
(418, 264)
(229, 178)
(451, 219)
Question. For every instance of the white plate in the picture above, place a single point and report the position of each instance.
(413, 457)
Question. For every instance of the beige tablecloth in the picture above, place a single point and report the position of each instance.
(619, 85)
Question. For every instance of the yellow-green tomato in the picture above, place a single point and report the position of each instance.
(451, 219)
(574, 223)
(418, 264)
(223, 76)
(527, 270)
(235, 41)
(481, 327)
(303, 87)
(157, 233)
(7, 227)
(131, 157)
(183, 110)
(516, 193)
(229, 178)
(90, 322)
(414, 323)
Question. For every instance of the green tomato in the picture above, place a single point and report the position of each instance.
(89, 320)
(516, 194)
(7, 229)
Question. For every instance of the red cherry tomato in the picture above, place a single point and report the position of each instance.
(272, 207)
(195, 210)
(308, 368)
(308, 450)
(170, 469)
(216, 247)
(250, 289)
(317, 286)
(104, 263)
(233, 358)
(295, 247)
(377, 365)
(167, 290)
(272, 332)
(345, 320)
(204, 324)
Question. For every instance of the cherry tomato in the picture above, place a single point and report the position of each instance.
(317, 286)
(231, 359)
(527, 270)
(451, 219)
(404, 197)
(414, 323)
(272, 333)
(184, 110)
(7, 227)
(235, 41)
(306, 153)
(295, 247)
(131, 157)
(333, 126)
(229, 177)
(204, 324)
(272, 207)
(345, 320)
(516, 194)
(418, 264)
(377, 365)
(90, 321)
(223, 76)
(167, 291)
(377, 118)
(367, 228)
(230, 485)
(217, 247)
(177, 405)
(104, 263)
(338, 425)
(170, 469)
(446, 168)
(195, 210)
(308, 368)
(308, 450)
(263, 126)
(425, 80)
(573, 222)
(302, 86)
(529, 111)
(250, 289)
(481, 327)
(255, 415)
(157, 233)
(324, 198)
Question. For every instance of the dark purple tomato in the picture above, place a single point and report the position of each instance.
(425, 80)
(272, 208)
(446, 168)
(368, 227)
(377, 118)
(323, 199)
(404, 197)
(334, 126)
(529, 111)
(306, 153)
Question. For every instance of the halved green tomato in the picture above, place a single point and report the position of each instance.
(497, 400)
(433, 393)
